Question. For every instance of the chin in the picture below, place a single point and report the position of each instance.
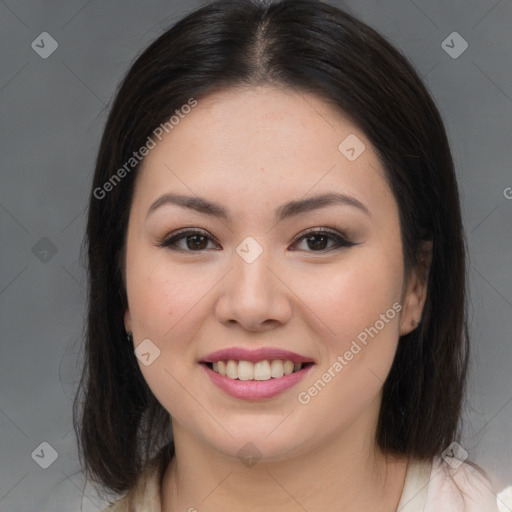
(267, 440)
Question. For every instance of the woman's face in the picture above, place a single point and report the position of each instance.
(252, 281)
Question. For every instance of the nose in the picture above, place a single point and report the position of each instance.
(254, 295)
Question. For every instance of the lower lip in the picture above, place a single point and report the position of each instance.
(255, 389)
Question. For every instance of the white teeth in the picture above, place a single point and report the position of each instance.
(245, 370)
(261, 370)
(276, 368)
(232, 369)
(288, 367)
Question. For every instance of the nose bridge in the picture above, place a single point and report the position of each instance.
(252, 277)
(252, 294)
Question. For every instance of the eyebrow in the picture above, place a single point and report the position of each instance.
(287, 210)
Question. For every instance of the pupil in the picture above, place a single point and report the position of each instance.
(316, 245)
(196, 245)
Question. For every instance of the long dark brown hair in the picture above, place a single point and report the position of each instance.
(307, 46)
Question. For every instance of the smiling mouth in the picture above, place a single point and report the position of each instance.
(258, 371)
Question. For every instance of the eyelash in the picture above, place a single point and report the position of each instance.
(341, 241)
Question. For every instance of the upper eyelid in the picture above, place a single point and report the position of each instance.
(185, 231)
(321, 229)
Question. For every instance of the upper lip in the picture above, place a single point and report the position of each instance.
(255, 355)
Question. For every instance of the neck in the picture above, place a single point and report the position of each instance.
(345, 473)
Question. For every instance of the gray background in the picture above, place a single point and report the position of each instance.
(52, 113)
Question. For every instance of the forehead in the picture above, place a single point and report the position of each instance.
(264, 144)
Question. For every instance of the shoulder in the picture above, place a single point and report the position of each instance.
(459, 487)
(119, 506)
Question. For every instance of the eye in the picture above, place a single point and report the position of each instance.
(195, 240)
(317, 239)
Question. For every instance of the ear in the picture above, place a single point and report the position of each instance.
(128, 321)
(416, 289)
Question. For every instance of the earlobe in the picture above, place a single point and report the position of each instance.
(128, 321)
(416, 292)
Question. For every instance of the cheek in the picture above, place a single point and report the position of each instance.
(353, 296)
(359, 305)
(361, 310)
(164, 306)
(160, 295)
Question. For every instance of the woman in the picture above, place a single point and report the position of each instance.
(277, 276)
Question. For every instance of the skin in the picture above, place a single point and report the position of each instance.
(252, 149)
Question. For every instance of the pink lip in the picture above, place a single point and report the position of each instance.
(254, 389)
(259, 354)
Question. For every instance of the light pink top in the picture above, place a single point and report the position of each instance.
(439, 487)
